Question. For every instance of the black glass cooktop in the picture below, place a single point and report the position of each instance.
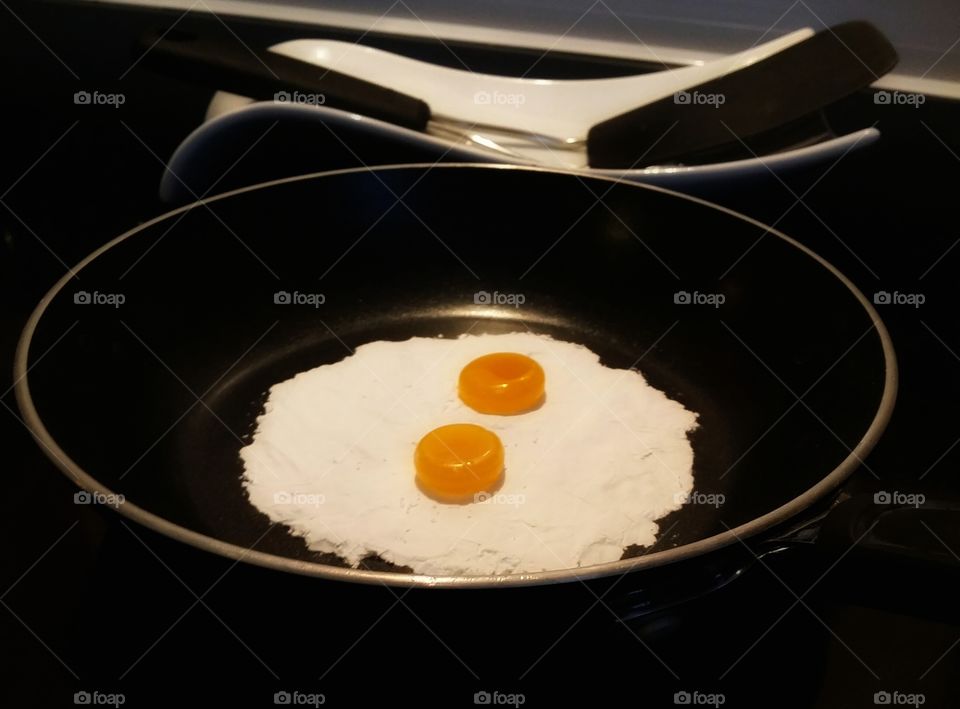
(97, 610)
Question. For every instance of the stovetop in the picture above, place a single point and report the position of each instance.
(94, 604)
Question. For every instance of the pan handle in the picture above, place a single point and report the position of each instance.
(890, 550)
(894, 529)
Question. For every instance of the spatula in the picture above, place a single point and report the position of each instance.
(603, 123)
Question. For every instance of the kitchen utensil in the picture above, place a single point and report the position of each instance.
(142, 372)
(603, 122)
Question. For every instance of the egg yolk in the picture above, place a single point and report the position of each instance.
(502, 383)
(455, 463)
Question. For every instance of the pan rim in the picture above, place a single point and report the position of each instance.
(158, 524)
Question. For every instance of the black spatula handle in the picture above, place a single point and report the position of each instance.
(229, 65)
(771, 92)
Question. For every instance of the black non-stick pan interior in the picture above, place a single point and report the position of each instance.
(788, 373)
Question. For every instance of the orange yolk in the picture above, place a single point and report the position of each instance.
(455, 463)
(502, 383)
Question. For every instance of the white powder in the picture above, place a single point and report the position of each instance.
(587, 474)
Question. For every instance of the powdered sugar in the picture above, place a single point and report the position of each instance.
(587, 474)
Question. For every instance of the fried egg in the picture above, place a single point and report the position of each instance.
(592, 457)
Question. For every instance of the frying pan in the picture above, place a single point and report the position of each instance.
(142, 372)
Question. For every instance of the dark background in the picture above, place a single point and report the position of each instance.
(91, 603)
